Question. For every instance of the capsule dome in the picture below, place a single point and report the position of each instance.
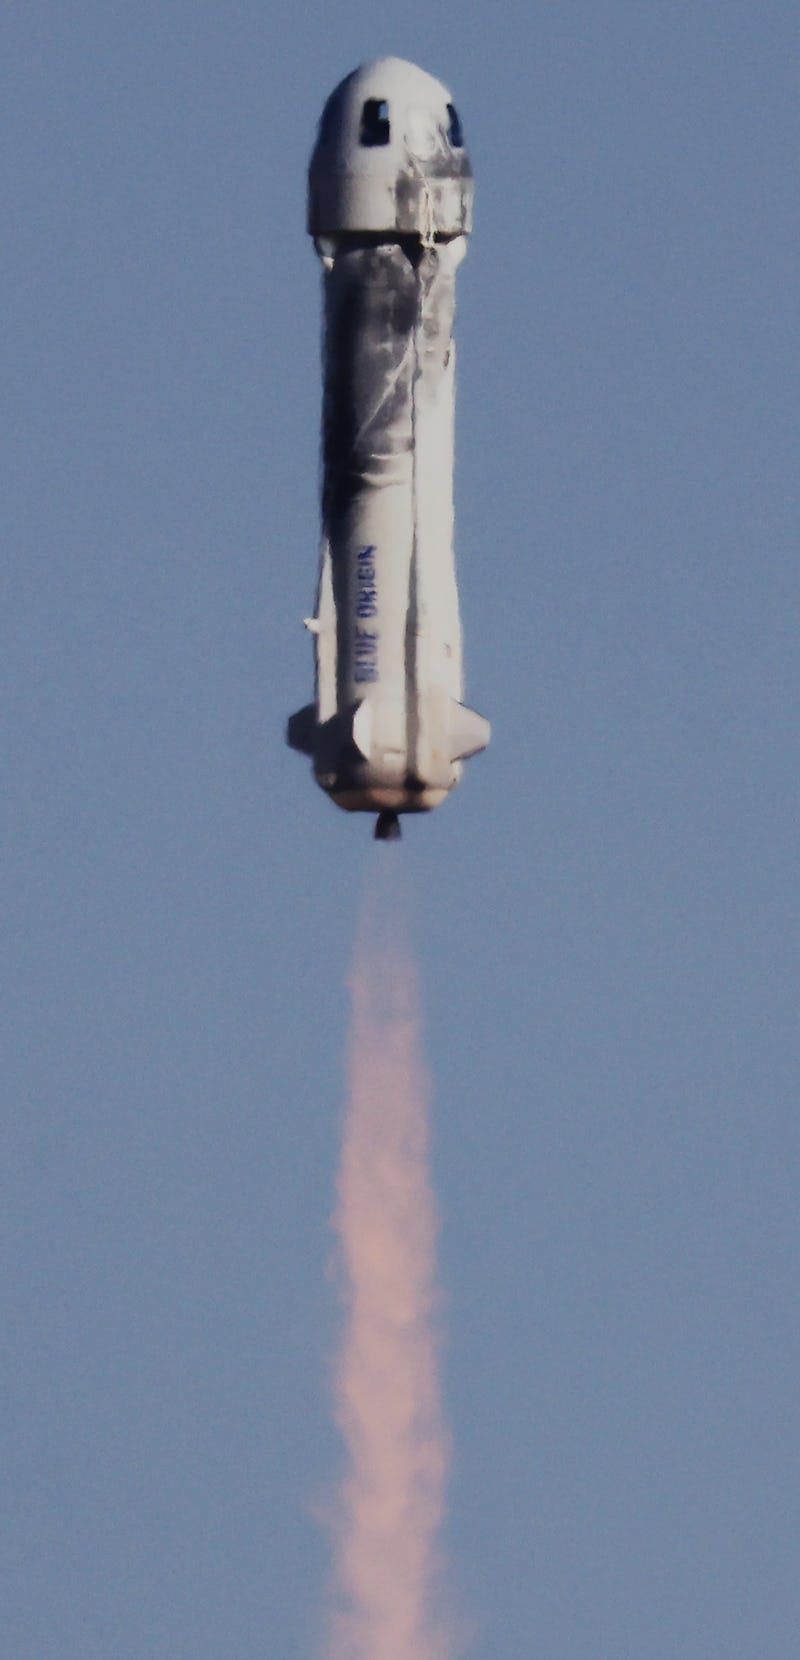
(390, 157)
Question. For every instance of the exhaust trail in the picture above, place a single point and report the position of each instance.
(390, 1505)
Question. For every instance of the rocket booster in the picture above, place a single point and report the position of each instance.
(389, 208)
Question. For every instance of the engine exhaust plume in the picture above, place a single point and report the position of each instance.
(388, 1407)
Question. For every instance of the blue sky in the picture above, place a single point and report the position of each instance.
(606, 914)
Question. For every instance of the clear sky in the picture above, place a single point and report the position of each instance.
(606, 914)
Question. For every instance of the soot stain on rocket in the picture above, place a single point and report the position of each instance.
(372, 311)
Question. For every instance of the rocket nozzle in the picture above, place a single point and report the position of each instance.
(387, 828)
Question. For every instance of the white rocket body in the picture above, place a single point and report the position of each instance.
(390, 201)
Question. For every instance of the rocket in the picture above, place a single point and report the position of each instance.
(390, 209)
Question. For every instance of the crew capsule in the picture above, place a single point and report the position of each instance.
(390, 157)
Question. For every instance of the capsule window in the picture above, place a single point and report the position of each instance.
(455, 131)
(375, 122)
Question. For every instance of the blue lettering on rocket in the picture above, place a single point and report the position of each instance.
(365, 648)
(366, 591)
(365, 644)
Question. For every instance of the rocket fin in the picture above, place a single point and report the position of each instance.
(469, 731)
(301, 729)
